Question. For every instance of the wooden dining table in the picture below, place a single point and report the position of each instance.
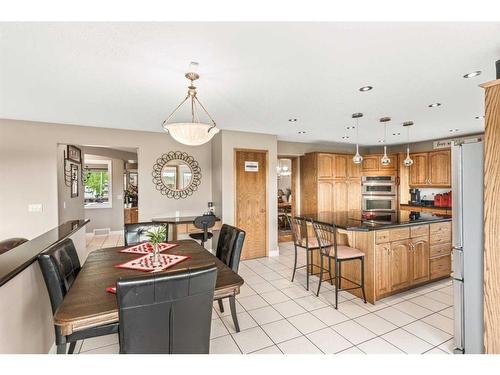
(87, 303)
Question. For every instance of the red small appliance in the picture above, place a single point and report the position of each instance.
(438, 200)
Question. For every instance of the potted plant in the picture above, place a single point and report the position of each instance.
(156, 235)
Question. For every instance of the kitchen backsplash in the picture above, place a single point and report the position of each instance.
(428, 193)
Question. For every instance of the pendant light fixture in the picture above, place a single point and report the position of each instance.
(385, 159)
(192, 133)
(408, 162)
(357, 159)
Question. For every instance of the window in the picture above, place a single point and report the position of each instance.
(98, 177)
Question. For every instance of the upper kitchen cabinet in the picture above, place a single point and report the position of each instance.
(431, 169)
(372, 166)
(334, 166)
(329, 182)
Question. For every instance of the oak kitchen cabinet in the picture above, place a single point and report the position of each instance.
(397, 258)
(329, 182)
(431, 169)
(371, 165)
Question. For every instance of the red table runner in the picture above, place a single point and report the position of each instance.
(147, 247)
(145, 263)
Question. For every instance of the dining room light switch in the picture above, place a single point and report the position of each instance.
(35, 207)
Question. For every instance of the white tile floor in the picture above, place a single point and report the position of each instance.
(278, 316)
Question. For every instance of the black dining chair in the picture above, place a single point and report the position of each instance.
(60, 267)
(167, 313)
(204, 222)
(326, 235)
(138, 232)
(229, 249)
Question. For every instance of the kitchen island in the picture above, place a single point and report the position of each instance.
(410, 250)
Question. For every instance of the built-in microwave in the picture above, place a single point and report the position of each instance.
(379, 203)
(378, 185)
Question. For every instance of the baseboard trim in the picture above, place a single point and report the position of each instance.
(53, 349)
(274, 253)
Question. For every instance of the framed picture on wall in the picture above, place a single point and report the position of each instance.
(74, 154)
(74, 180)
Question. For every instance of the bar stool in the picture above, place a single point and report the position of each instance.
(302, 240)
(326, 235)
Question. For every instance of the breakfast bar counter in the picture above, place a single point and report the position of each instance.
(409, 251)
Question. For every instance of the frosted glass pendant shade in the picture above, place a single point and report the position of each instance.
(191, 133)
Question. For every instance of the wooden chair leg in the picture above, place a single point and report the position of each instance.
(232, 304)
(221, 305)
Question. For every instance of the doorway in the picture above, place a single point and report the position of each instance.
(286, 171)
(251, 200)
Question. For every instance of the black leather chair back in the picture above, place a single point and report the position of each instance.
(168, 313)
(230, 245)
(137, 232)
(60, 266)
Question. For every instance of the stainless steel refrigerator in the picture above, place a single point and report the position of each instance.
(467, 254)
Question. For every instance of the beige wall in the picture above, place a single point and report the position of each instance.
(26, 324)
(28, 161)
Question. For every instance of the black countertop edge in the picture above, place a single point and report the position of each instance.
(425, 205)
(21, 257)
(391, 226)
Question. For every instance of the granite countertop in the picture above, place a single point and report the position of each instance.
(353, 220)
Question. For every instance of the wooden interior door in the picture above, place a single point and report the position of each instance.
(251, 202)
(420, 260)
(400, 264)
(440, 168)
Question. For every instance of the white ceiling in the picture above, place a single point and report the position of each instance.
(254, 76)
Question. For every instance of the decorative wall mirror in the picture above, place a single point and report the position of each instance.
(176, 174)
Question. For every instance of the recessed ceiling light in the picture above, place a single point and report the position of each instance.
(350, 127)
(434, 105)
(365, 88)
(396, 133)
(479, 117)
(302, 132)
(454, 130)
(345, 137)
(292, 119)
(380, 141)
(472, 74)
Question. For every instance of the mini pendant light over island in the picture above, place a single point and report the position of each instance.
(408, 162)
(357, 159)
(192, 133)
(385, 159)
